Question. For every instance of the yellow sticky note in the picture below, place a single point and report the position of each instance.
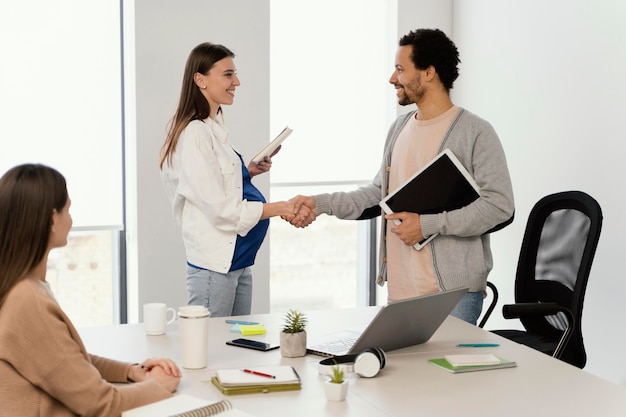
(248, 329)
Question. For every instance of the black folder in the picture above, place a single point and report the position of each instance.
(442, 185)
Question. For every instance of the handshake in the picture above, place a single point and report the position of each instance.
(300, 211)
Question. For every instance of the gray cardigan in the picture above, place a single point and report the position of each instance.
(461, 253)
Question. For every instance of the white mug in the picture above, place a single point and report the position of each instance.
(155, 318)
(193, 327)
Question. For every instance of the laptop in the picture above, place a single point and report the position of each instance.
(396, 325)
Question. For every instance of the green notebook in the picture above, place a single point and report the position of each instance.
(257, 379)
(253, 389)
(443, 363)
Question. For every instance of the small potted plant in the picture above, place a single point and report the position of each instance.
(336, 388)
(293, 336)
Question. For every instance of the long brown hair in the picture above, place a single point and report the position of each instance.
(192, 104)
(28, 195)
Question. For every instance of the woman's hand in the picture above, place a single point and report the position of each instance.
(139, 371)
(264, 165)
(169, 381)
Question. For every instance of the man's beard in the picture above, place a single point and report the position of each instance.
(417, 91)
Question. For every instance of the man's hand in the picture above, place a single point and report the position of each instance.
(410, 230)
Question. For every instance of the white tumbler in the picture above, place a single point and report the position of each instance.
(193, 327)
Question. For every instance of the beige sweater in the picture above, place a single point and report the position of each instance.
(45, 369)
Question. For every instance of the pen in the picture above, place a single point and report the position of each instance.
(478, 345)
(250, 371)
(245, 323)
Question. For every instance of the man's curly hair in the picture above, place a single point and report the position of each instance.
(433, 47)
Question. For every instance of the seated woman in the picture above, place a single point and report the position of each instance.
(44, 367)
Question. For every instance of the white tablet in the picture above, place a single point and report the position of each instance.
(273, 145)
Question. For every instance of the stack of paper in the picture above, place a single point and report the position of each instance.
(256, 379)
(472, 362)
(476, 359)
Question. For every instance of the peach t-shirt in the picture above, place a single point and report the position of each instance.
(410, 272)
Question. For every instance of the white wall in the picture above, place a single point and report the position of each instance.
(165, 33)
(550, 77)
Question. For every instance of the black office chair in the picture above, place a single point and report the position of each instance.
(557, 251)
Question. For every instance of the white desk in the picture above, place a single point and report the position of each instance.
(408, 386)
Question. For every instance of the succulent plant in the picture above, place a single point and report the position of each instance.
(295, 322)
(337, 376)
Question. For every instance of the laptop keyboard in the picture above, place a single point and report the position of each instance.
(335, 347)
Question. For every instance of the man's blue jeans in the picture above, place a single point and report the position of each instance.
(470, 307)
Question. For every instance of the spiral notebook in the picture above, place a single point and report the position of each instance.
(184, 405)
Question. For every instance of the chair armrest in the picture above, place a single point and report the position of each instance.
(492, 305)
(516, 311)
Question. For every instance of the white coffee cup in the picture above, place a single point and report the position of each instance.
(193, 327)
(155, 318)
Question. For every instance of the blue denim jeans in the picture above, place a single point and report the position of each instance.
(470, 307)
(227, 294)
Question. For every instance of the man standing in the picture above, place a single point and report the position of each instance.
(426, 66)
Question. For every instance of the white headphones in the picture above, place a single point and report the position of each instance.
(366, 364)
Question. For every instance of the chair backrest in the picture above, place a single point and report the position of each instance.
(555, 259)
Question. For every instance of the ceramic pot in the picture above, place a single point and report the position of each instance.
(293, 345)
(336, 392)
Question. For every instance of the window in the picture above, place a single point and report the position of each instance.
(328, 80)
(61, 106)
(83, 276)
